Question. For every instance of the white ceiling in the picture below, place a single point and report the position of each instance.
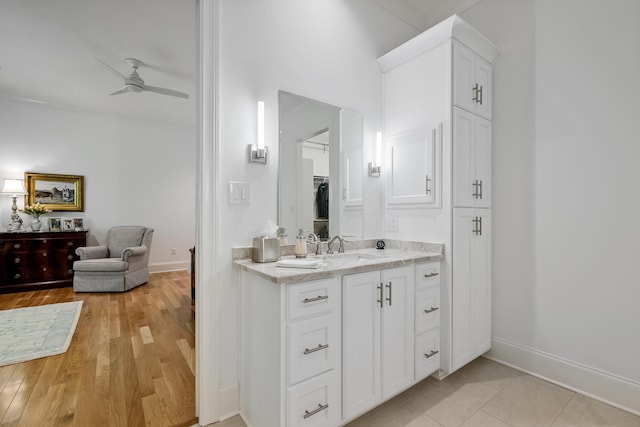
(47, 51)
(423, 14)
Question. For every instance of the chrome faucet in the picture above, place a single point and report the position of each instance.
(340, 249)
(313, 238)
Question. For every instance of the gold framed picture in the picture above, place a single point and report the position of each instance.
(55, 191)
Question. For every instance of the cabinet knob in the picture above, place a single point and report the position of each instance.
(16, 260)
(16, 276)
(44, 268)
(70, 271)
(16, 245)
(44, 240)
(44, 254)
(69, 243)
(70, 257)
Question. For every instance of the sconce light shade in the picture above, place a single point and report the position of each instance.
(14, 187)
(257, 152)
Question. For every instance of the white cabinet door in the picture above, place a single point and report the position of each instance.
(397, 330)
(412, 158)
(377, 337)
(471, 81)
(471, 305)
(361, 343)
(471, 160)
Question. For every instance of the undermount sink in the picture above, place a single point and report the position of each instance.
(348, 257)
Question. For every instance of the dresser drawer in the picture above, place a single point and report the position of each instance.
(427, 306)
(427, 355)
(313, 298)
(313, 347)
(427, 274)
(315, 402)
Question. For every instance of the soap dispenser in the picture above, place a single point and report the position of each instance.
(301, 245)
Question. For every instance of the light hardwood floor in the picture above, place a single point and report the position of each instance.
(130, 363)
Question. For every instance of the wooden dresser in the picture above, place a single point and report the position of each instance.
(38, 260)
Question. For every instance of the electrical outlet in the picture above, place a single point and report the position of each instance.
(173, 251)
(392, 223)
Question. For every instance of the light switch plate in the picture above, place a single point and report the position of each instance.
(239, 193)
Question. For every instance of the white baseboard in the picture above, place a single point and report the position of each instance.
(603, 386)
(163, 267)
(229, 401)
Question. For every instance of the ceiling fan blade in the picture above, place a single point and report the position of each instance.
(119, 91)
(113, 70)
(164, 91)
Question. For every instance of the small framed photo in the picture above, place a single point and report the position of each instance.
(78, 224)
(55, 224)
(67, 224)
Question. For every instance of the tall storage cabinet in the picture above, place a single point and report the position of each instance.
(442, 79)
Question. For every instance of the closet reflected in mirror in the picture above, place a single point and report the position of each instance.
(320, 168)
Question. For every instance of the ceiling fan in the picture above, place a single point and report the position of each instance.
(134, 83)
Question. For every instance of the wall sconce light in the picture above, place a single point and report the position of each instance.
(258, 151)
(14, 188)
(374, 167)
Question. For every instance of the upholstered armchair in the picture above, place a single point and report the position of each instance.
(120, 264)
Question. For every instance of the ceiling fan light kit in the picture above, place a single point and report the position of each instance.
(134, 83)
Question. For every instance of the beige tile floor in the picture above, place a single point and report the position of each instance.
(488, 394)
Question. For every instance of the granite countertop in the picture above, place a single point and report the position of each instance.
(358, 257)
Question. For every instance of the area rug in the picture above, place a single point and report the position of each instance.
(34, 332)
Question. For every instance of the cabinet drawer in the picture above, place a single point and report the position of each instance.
(427, 274)
(313, 347)
(315, 402)
(312, 298)
(427, 309)
(427, 356)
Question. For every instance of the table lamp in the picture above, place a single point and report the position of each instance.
(15, 188)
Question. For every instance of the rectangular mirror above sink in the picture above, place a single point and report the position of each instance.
(321, 170)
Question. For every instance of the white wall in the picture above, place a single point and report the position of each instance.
(135, 172)
(325, 50)
(565, 191)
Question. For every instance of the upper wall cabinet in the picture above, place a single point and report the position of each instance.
(471, 81)
(412, 167)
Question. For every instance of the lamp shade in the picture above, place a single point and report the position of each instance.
(14, 187)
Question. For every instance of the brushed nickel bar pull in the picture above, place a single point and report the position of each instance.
(318, 348)
(426, 276)
(480, 226)
(390, 289)
(433, 353)
(475, 189)
(480, 92)
(480, 187)
(427, 181)
(476, 221)
(431, 310)
(318, 298)
(320, 408)
(381, 300)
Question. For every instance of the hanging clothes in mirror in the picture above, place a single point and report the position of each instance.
(322, 200)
